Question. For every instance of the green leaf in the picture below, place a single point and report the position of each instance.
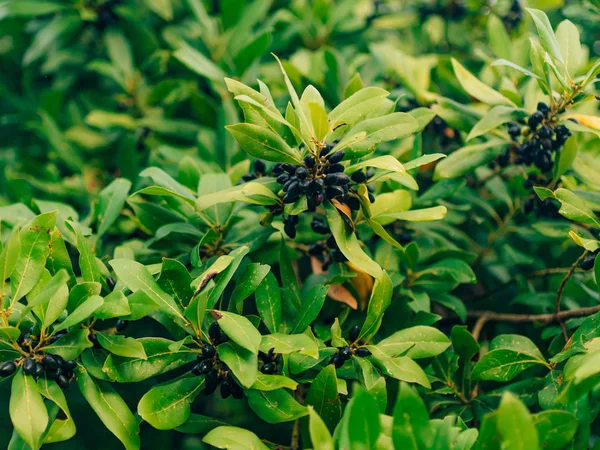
(242, 362)
(110, 203)
(239, 329)
(275, 406)
(349, 244)
(272, 382)
(476, 88)
(268, 302)
(234, 438)
(415, 342)
(121, 345)
(357, 106)
(404, 368)
(71, 345)
(263, 143)
(468, 158)
(87, 260)
(8, 257)
(411, 420)
(515, 424)
(319, 434)
(386, 162)
(495, 117)
(567, 156)
(360, 425)
(63, 427)
(312, 303)
(115, 305)
(381, 296)
(567, 36)
(503, 365)
(35, 238)
(175, 280)
(289, 343)
(418, 215)
(523, 70)
(167, 406)
(199, 63)
(574, 208)
(364, 138)
(51, 301)
(137, 278)
(159, 358)
(110, 408)
(546, 33)
(324, 398)
(556, 429)
(249, 278)
(28, 413)
(498, 37)
(82, 312)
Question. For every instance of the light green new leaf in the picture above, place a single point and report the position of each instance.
(547, 36)
(411, 421)
(404, 368)
(110, 203)
(357, 106)
(234, 438)
(381, 297)
(82, 312)
(477, 89)
(319, 434)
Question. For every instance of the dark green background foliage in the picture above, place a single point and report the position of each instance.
(328, 224)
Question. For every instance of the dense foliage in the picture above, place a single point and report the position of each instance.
(329, 224)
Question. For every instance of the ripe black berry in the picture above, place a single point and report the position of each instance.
(315, 250)
(316, 185)
(337, 361)
(277, 168)
(213, 331)
(39, 370)
(354, 333)
(236, 391)
(268, 368)
(225, 388)
(335, 168)
(336, 157)
(283, 178)
(309, 161)
(543, 108)
(62, 381)
(290, 229)
(260, 167)
(203, 368)
(301, 173)
(345, 353)
(7, 368)
(49, 362)
(338, 256)
(363, 352)
(289, 168)
(121, 325)
(359, 177)
(535, 119)
(545, 132)
(69, 366)
(333, 191)
(211, 382)
(588, 262)
(319, 226)
(29, 366)
(208, 351)
(353, 203)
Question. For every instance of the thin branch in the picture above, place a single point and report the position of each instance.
(566, 278)
(295, 444)
(543, 318)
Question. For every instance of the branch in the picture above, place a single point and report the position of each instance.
(564, 281)
(544, 318)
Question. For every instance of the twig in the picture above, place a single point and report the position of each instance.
(294, 445)
(560, 291)
(543, 318)
(479, 325)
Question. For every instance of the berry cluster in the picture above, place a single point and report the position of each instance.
(217, 373)
(345, 353)
(50, 366)
(318, 179)
(543, 138)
